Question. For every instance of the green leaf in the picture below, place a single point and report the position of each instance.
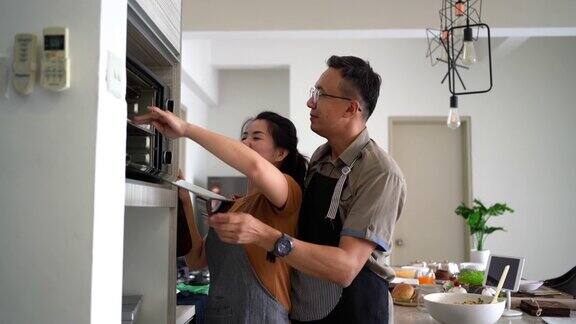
(478, 215)
(480, 206)
(463, 211)
(474, 222)
(499, 209)
(490, 230)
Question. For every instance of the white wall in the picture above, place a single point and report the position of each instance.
(244, 94)
(198, 74)
(199, 92)
(522, 131)
(197, 113)
(54, 212)
(109, 173)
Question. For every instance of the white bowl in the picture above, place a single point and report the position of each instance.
(446, 308)
(530, 285)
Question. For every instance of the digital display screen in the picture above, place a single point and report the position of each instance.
(54, 42)
(496, 267)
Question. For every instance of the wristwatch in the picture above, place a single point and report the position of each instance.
(282, 247)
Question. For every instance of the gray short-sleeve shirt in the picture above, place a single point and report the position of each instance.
(372, 198)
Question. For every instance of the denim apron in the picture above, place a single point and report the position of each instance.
(236, 294)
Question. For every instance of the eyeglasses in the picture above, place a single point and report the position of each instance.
(316, 93)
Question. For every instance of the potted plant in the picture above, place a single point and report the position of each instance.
(477, 218)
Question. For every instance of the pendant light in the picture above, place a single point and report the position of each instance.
(453, 121)
(460, 22)
(468, 51)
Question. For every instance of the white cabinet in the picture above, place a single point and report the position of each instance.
(153, 39)
(163, 18)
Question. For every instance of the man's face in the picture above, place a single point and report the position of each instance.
(327, 114)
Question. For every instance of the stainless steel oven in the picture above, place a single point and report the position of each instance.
(148, 152)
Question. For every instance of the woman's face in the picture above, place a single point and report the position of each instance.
(257, 137)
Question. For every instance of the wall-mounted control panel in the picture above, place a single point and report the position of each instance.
(24, 63)
(55, 59)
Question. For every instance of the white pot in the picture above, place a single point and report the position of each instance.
(480, 257)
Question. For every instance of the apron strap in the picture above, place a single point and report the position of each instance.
(335, 202)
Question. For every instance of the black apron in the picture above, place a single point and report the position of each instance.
(366, 299)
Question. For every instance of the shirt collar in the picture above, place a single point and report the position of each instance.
(349, 154)
(354, 149)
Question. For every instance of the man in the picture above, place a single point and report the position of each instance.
(354, 194)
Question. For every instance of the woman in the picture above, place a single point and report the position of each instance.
(246, 286)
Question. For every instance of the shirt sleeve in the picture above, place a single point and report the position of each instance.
(376, 205)
(294, 199)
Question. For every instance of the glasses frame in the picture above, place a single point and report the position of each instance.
(315, 94)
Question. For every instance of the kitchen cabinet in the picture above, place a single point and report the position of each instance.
(149, 263)
(163, 18)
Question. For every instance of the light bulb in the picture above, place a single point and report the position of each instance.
(444, 35)
(453, 121)
(468, 52)
(460, 8)
(444, 41)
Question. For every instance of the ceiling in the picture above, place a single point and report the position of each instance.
(273, 15)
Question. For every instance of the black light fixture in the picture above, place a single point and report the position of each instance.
(453, 44)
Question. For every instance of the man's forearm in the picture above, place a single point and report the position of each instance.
(337, 264)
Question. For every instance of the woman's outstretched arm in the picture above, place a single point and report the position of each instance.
(263, 174)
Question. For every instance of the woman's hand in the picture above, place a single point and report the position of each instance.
(164, 121)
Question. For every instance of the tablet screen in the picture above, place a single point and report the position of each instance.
(496, 267)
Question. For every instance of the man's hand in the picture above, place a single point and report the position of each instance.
(242, 228)
(164, 121)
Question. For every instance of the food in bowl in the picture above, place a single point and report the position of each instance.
(453, 308)
(471, 277)
(478, 301)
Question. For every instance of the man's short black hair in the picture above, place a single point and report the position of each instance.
(359, 79)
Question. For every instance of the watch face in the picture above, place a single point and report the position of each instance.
(284, 247)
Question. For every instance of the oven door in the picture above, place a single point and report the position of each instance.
(148, 152)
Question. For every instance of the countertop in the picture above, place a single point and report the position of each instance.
(404, 314)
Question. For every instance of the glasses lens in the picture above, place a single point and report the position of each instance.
(314, 95)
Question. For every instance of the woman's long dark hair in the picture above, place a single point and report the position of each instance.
(284, 135)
